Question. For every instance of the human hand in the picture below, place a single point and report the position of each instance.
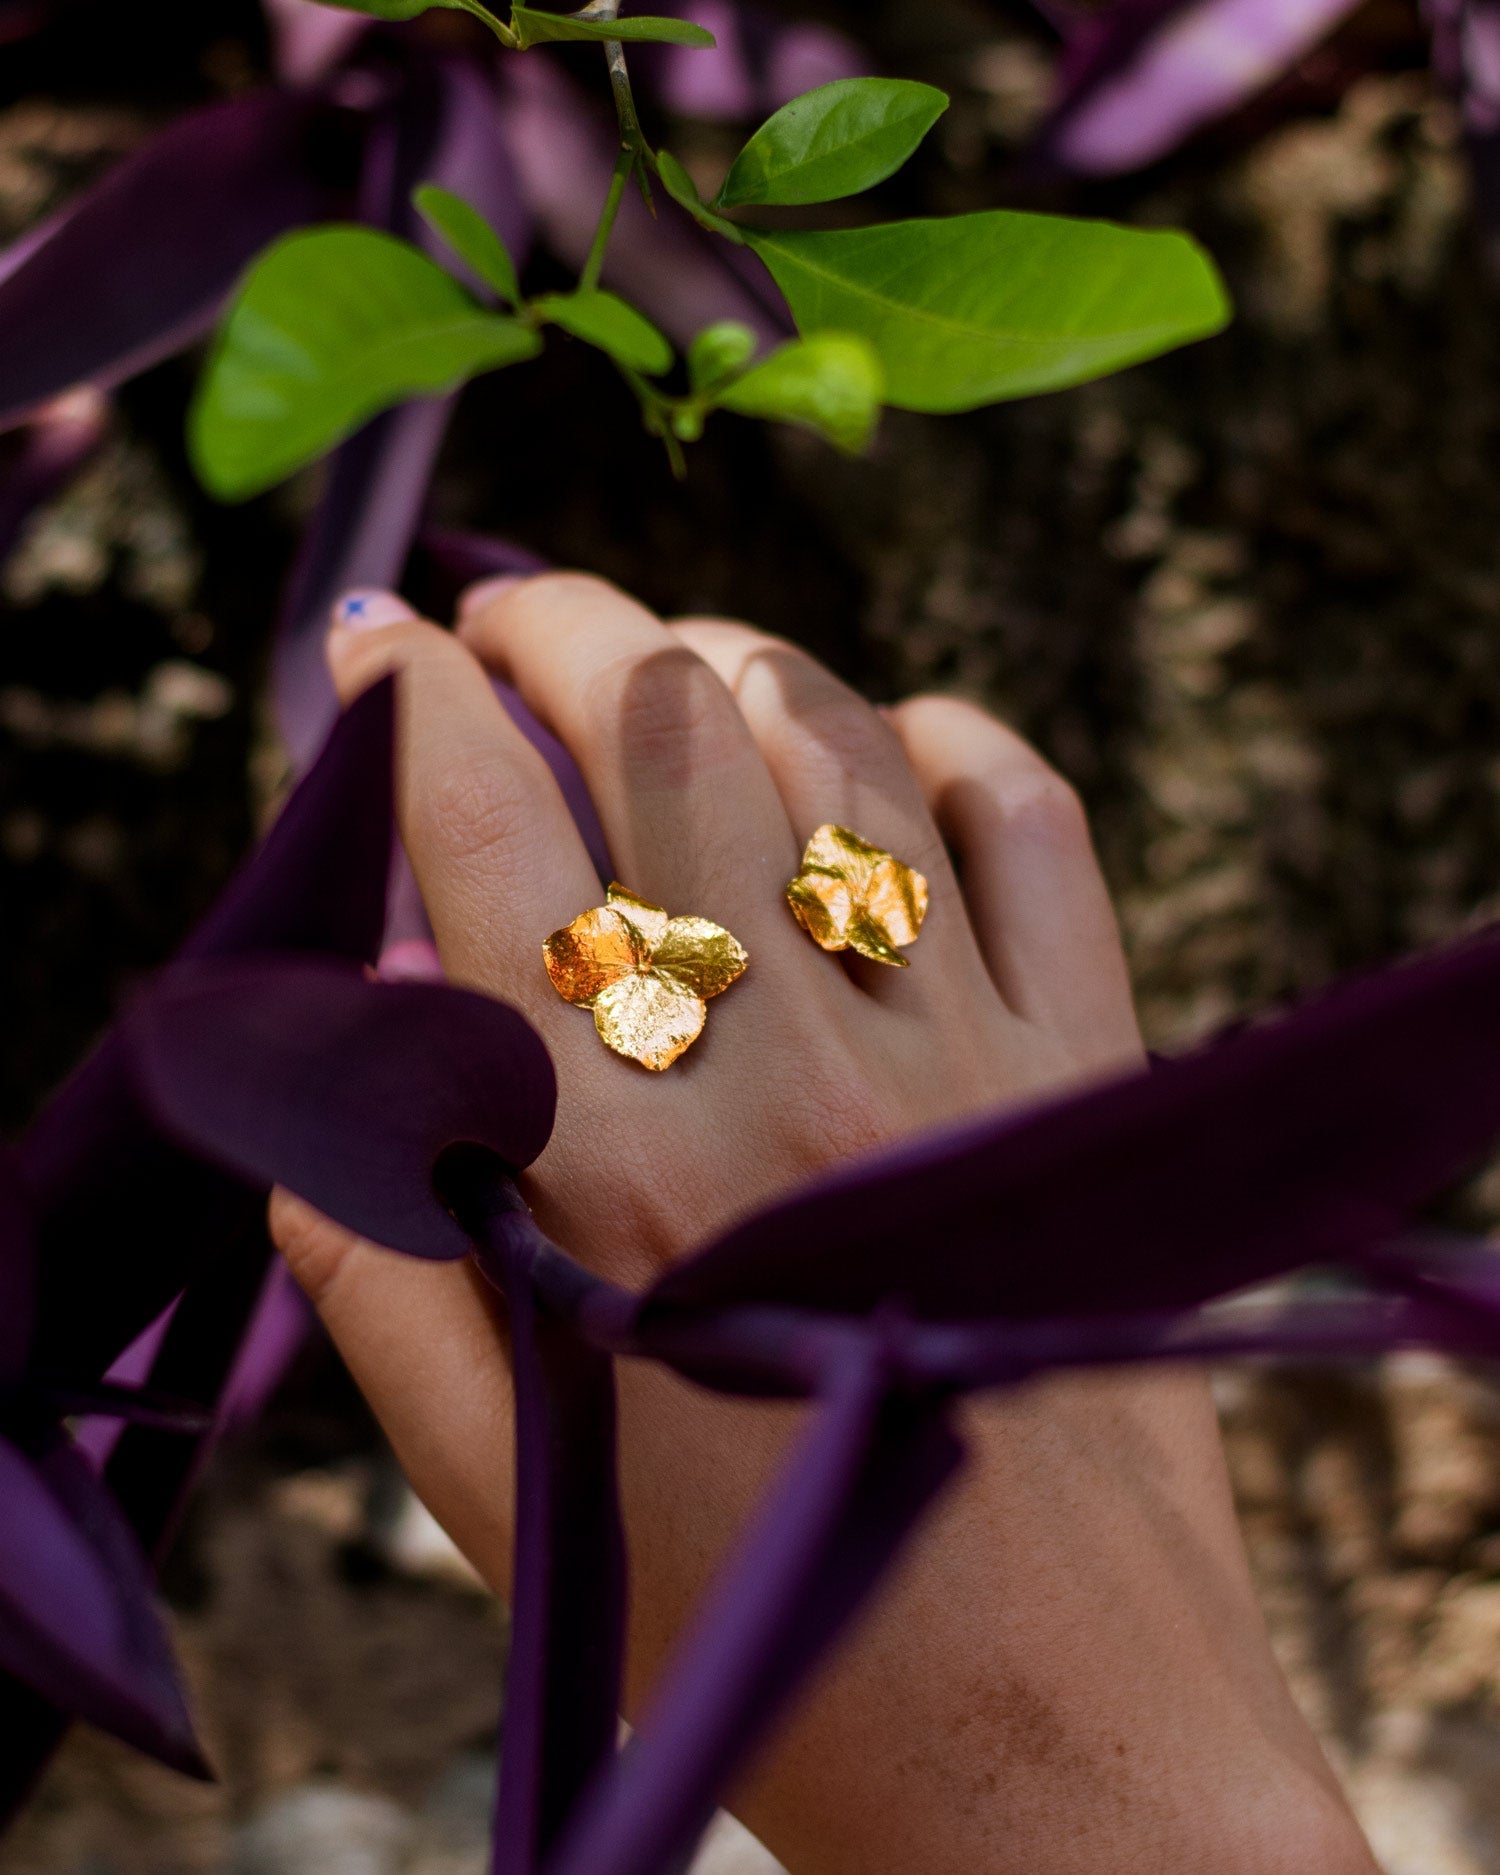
(1083, 1600)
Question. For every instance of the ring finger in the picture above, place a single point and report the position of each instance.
(692, 818)
(834, 758)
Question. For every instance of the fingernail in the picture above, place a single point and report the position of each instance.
(473, 599)
(367, 608)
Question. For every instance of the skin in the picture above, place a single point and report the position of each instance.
(1067, 1674)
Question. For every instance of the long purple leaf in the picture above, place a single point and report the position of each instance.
(123, 1219)
(1296, 1141)
(139, 266)
(869, 1465)
(1141, 76)
(442, 126)
(290, 1072)
(78, 1619)
(758, 62)
(562, 1692)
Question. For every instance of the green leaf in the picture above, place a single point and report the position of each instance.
(331, 325)
(977, 308)
(532, 27)
(718, 352)
(605, 320)
(831, 383)
(409, 9)
(834, 141)
(684, 191)
(471, 237)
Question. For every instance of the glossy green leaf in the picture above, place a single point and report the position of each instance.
(718, 352)
(532, 27)
(831, 383)
(471, 237)
(331, 326)
(605, 320)
(832, 142)
(977, 308)
(684, 191)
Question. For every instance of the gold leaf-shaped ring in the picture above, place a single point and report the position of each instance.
(850, 895)
(647, 977)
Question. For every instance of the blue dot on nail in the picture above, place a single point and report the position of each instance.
(354, 608)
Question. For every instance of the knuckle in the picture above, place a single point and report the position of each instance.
(470, 809)
(1037, 801)
(932, 714)
(854, 738)
(671, 717)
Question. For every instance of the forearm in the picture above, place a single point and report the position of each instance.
(1067, 1673)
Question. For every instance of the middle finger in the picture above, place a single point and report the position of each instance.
(692, 817)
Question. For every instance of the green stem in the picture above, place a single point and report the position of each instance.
(624, 163)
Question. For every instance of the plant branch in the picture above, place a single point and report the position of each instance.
(631, 134)
(624, 163)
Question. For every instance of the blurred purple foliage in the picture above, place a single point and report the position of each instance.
(1138, 77)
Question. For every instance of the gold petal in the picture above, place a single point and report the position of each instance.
(650, 920)
(852, 895)
(649, 1019)
(699, 956)
(587, 956)
(866, 937)
(839, 850)
(822, 904)
(896, 900)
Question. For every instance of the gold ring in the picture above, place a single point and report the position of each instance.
(647, 977)
(850, 895)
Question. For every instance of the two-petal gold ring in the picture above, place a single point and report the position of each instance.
(648, 977)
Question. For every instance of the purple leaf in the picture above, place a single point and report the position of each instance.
(443, 126)
(310, 39)
(123, 1219)
(758, 62)
(142, 261)
(447, 560)
(1141, 76)
(210, 1337)
(78, 1619)
(306, 1074)
(1298, 1141)
(562, 1694)
(868, 1466)
(97, 1438)
(372, 501)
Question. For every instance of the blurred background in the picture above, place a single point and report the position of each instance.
(1247, 598)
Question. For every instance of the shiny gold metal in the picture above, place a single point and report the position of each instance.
(850, 895)
(647, 977)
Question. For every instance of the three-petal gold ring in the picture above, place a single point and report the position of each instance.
(647, 977)
(850, 895)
